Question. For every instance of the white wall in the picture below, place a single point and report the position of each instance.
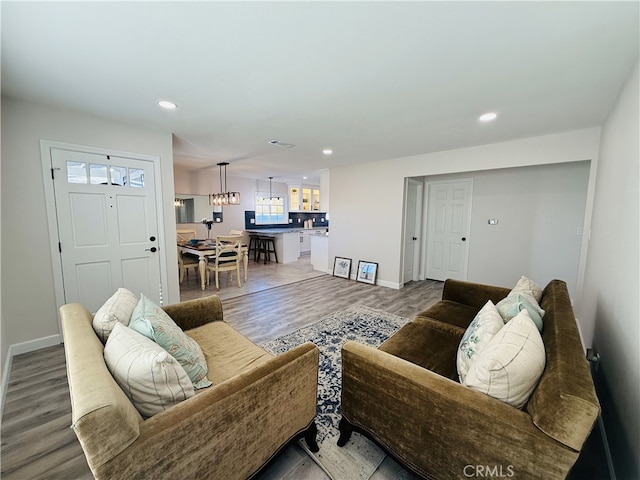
(610, 310)
(539, 210)
(367, 200)
(29, 310)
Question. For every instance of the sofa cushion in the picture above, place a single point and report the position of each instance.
(515, 303)
(227, 352)
(481, 330)
(118, 308)
(153, 322)
(151, 378)
(428, 343)
(454, 313)
(509, 367)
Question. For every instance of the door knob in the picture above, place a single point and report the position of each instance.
(415, 238)
(464, 239)
(152, 249)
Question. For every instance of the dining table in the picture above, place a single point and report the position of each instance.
(205, 250)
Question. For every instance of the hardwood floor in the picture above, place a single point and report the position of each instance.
(37, 442)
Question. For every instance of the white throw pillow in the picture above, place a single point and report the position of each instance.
(151, 378)
(509, 367)
(153, 322)
(116, 309)
(528, 287)
(482, 328)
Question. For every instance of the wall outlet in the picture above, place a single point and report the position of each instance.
(493, 221)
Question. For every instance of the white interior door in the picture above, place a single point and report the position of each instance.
(448, 225)
(107, 226)
(411, 228)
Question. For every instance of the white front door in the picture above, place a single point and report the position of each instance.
(107, 226)
(411, 227)
(448, 226)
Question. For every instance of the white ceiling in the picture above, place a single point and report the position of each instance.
(371, 80)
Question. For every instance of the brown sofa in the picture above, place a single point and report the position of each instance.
(257, 403)
(405, 395)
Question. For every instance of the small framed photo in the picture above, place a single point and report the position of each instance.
(342, 267)
(367, 272)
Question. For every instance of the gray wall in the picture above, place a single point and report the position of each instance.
(610, 307)
(539, 211)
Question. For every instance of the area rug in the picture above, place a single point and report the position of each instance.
(360, 457)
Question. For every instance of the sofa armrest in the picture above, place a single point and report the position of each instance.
(472, 294)
(194, 313)
(437, 426)
(227, 430)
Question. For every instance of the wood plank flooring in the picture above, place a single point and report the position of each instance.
(38, 443)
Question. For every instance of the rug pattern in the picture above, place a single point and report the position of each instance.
(360, 323)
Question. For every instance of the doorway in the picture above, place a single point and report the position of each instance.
(412, 221)
(103, 208)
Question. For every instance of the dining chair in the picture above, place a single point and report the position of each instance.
(227, 257)
(185, 262)
(184, 235)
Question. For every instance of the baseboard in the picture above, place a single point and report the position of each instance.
(5, 378)
(36, 344)
(382, 283)
(607, 449)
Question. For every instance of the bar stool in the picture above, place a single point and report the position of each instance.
(254, 246)
(267, 246)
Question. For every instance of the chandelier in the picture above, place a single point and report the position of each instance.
(224, 197)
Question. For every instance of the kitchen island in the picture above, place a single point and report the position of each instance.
(287, 240)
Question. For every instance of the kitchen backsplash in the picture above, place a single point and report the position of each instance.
(296, 220)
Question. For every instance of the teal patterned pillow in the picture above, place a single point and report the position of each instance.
(153, 322)
(513, 304)
(480, 331)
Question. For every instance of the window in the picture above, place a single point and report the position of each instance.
(269, 210)
(99, 174)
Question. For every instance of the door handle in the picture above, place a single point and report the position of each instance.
(152, 249)
(415, 238)
(464, 239)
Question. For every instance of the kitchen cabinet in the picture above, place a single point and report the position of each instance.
(305, 199)
(305, 242)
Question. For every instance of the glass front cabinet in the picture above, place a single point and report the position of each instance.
(305, 199)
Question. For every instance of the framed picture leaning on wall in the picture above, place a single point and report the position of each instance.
(342, 267)
(367, 272)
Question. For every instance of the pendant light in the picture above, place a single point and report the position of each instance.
(224, 197)
(271, 197)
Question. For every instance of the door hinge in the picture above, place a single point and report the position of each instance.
(53, 176)
(59, 247)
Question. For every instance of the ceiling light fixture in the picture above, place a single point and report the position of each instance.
(278, 143)
(327, 151)
(167, 104)
(224, 197)
(487, 117)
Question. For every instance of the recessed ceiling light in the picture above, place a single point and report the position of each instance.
(167, 104)
(304, 178)
(327, 151)
(487, 117)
